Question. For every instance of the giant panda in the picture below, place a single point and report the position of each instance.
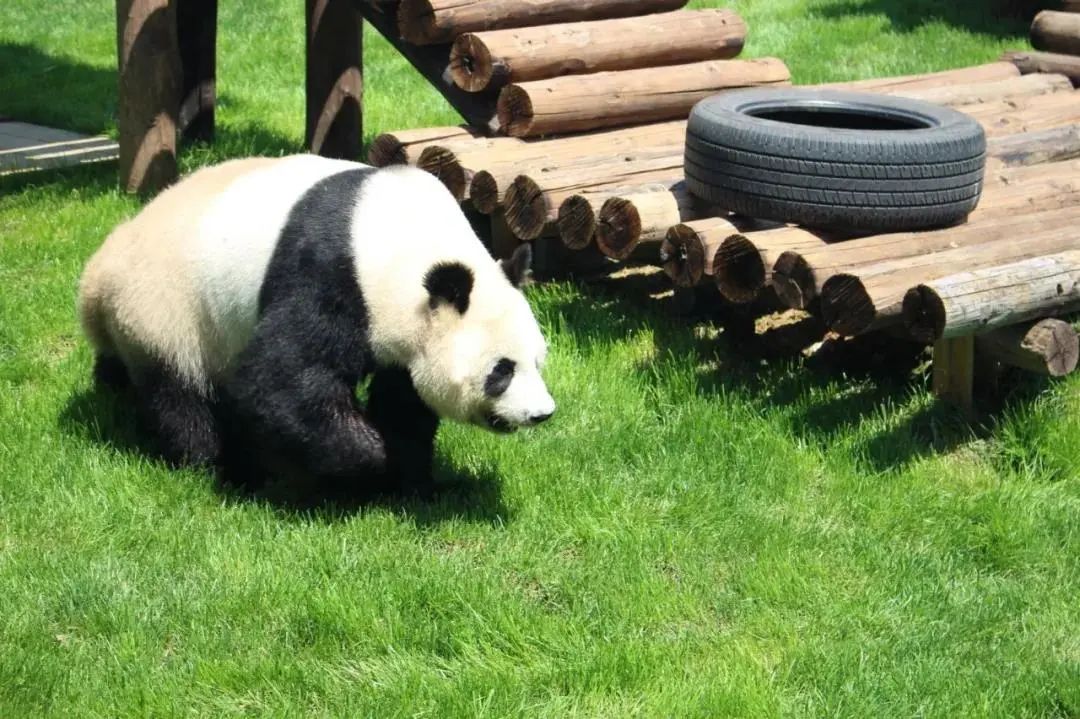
(243, 306)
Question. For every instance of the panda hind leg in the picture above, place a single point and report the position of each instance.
(180, 417)
(110, 371)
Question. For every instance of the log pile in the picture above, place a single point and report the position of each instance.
(992, 286)
(528, 68)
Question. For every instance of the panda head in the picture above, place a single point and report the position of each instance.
(484, 352)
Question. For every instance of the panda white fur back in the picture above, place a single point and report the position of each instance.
(257, 289)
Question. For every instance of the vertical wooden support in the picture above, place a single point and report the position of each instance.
(954, 372)
(334, 78)
(149, 93)
(197, 36)
(503, 242)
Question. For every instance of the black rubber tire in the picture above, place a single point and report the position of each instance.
(786, 155)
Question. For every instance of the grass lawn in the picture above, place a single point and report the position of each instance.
(696, 534)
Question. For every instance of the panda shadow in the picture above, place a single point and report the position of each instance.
(457, 495)
(105, 416)
(834, 391)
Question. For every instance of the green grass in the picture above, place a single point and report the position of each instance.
(697, 534)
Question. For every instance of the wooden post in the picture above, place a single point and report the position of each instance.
(197, 36)
(954, 372)
(334, 79)
(148, 93)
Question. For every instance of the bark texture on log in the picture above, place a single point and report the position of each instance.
(1055, 31)
(980, 300)
(627, 97)
(426, 22)
(1016, 201)
(978, 73)
(871, 296)
(1028, 114)
(1038, 62)
(196, 22)
(981, 93)
(334, 77)
(150, 78)
(1048, 347)
(1035, 148)
(492, 59)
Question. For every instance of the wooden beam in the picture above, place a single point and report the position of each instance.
(334, 79)
(148, 93)
(197, 36)
(433, 62)
(954, 372)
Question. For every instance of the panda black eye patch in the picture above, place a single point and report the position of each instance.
(498, 380)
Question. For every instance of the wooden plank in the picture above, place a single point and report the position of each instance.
(334, 79)
(433, 62)
(149, 93)
(197, 36)
(954, 372)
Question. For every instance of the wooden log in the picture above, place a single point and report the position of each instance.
(404, 146)
(981, 93)
(1055, 31)
(954, 373)
(1045, 194)
(1029, 114)
(150, 78)
(479, 61)
(871, 296)
(743, 264)
(690, 249)
(980, 300)
(1040, 62)
(1047, 347)
(629, 221)
(627, 97)
(426, 22)
(1070, 5)
(962, 76)
(196, 30)
(578, 215)
(334, 79)
(1033, 148)
(531, 204)
(432, 61)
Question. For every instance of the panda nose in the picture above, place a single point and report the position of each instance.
(538, 418)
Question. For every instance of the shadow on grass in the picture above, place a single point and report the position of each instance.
(851, 386)
(57, 91)
(104, 416)
(995, 18)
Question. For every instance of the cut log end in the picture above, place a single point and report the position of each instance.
(738, 269)
(1047, 347)
(793, 280)
(416, 23)
(442, 163)
(618, 228)
(924, 314)
(385, 150)
(526, 208)
(576, 222)
(846, 306)
(471, 65)
(682, 256)
(484, 192)
(515, 111)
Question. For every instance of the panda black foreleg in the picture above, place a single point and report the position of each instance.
(408, 427)
(308, 415)
(181, 417)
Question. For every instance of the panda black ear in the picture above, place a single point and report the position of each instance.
(449, 282)
(518, 264)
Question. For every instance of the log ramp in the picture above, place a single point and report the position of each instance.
(582, 156)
